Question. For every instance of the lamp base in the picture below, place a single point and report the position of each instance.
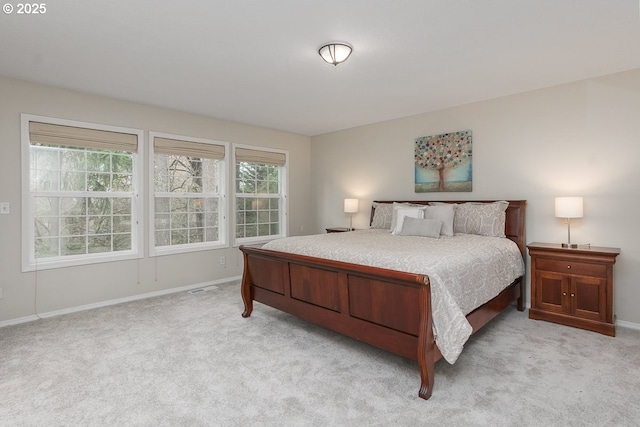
(570, 245)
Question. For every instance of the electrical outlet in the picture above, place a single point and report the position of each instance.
(5, 208)
(222, 260)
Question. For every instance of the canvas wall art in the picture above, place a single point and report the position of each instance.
(443, 162)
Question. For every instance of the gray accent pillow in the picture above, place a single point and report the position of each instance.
(382, 215)
(444, 212)
(421, 227)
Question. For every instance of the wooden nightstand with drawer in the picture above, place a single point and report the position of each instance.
(573, 286)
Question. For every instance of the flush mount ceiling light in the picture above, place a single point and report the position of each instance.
(335, 53)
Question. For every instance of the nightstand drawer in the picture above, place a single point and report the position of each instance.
(572, 267)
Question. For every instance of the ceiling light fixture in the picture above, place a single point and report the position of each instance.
(335, 53)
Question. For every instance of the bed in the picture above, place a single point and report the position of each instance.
(385, 307)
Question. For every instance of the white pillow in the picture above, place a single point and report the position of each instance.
(394, 214)
(405, 211)
(421, 227)
(443, 212)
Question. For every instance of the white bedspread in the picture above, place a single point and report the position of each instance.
(465, 270)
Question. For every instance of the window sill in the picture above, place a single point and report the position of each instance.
(47, 264)
(182, 249)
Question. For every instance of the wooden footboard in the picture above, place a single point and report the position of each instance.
(385, 308)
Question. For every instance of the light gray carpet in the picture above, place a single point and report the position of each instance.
(191, 359)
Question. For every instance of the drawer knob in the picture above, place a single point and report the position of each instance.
(573, 295)
(568, 267)
(564, 294)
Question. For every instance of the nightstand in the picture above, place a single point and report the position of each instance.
(573, 287)
(339, 229)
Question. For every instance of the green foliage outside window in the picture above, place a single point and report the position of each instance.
(67, 221)
(257, 200)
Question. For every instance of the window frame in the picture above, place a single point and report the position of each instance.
(29, 260)
(223, 223)
(284, 188)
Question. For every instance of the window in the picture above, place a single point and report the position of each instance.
(260, 194)
(80, 193)
(189, 193)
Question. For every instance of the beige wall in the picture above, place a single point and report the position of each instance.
(576, 139)
(66, 288)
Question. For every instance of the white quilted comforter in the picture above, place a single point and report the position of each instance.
(465, 270)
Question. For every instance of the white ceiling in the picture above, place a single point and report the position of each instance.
(256, 61)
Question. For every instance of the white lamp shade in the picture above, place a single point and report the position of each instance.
(351, 205)
(569, 207)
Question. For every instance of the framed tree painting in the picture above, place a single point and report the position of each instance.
(443, 162)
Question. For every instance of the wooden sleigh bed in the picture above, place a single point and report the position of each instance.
(385, 308)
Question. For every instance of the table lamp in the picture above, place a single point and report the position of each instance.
(350, 207)
(569, 207)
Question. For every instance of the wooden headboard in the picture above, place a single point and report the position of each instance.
(515, 219)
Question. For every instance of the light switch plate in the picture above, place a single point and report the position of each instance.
(5, 208)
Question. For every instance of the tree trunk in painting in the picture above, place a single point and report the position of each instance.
(441, 179)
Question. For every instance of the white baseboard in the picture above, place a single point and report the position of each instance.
(114, 301)
(629, 325)
(18, 320)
